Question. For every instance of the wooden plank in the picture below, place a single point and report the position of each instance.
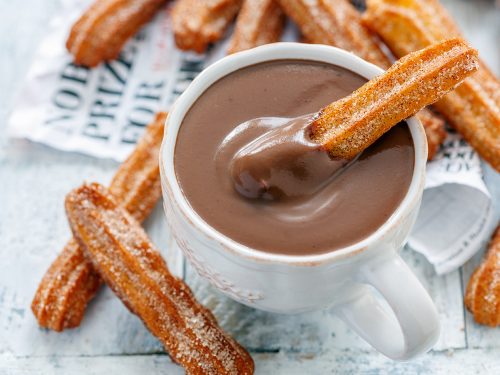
(150, 364)
(355, 362)
(290, 363)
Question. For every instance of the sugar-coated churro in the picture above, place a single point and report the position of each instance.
(348, 126)
(134, 269)
(197, 23)
(100, 33)
(435, 131)
(65, 290)
(482, 297)
(341, 25)
(71, 281)
(259, 22)
(335, 23)
(474, 107)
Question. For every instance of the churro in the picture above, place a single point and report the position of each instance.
(197, 23)
(482, 297)
(473, 109)
(100, 33)
(134, 269)
(335, 23)
(71, 281)
(348, 126)
(435, 131)
(341, 25)
(259, 22)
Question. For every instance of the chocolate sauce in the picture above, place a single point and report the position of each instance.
(282, 163)
(244, 139)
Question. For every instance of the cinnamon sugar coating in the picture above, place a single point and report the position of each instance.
(340, 24)
(336, 23)
(65, 290)
(259, 22)
(134, 269)
(197, 23)
(482, 297)
(71, 281)
(473, 109)
(100, 33)
(348, 126)
(435, 131)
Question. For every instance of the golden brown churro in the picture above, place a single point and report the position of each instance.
(134, 269)
(482, 297)
(100, 33)
(474, 107)
(335, 23)
(197, 23)
(259, 22)
(435, 131)
(71, 282)
(348, 126)
(341, 26)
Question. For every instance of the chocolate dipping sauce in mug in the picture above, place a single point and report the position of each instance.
(327, 204)
(293, 77)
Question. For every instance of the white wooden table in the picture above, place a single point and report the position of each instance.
(33, 182)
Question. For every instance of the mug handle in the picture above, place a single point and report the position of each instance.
(413, 326)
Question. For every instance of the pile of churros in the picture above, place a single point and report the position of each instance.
(108, 243)
(473, 109)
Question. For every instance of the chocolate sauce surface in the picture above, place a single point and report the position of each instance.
(305, 203)
(282, 163)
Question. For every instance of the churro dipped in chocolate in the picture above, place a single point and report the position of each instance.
(340, 24)
(259, 22)
(267, 167)
(474, 107)
(100, 33)
(71, 281)
(482, 297)
(197, 23)
(133, 268)
(348, 126)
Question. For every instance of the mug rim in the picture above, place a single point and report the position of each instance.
(271, 52)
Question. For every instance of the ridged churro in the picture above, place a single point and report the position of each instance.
(482, 297)
(100, 33)
(335, 23)
(71, 281)
(197, 23)
(435, 131)
(348, 126)
(259, 22)
(474, 107)
(134, 269)
(341, 26)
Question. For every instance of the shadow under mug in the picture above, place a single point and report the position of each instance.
(353, 281)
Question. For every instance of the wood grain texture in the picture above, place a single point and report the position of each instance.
(33, 182)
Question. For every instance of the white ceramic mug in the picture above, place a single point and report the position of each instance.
(344, 279)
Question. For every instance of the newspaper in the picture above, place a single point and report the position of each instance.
(103, 111)
(456, 217)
